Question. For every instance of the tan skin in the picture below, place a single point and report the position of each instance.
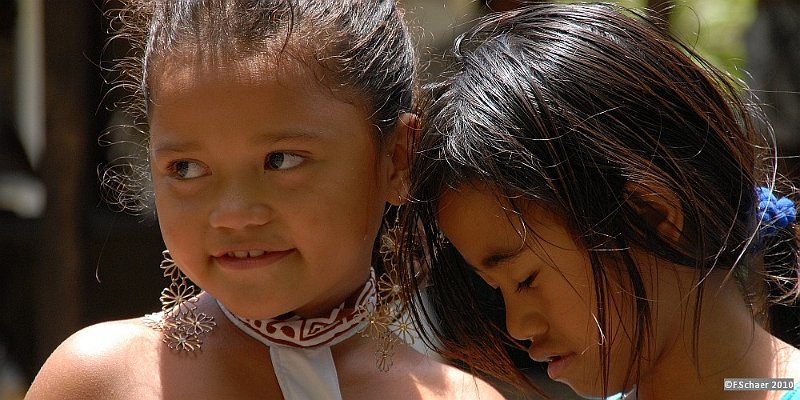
(219, 189)
(549, 300)
(126, 360)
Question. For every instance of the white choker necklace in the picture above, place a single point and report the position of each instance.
(292, 330)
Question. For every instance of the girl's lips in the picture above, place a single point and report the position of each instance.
(557, 364)
(250, 259)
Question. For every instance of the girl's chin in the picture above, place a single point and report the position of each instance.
(593, 392)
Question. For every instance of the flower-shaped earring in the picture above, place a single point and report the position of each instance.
(181, 325)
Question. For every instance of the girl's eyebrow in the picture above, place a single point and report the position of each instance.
(304, 135)
(497, 258)
(171, 146)
(178, 146)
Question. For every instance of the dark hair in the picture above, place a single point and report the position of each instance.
(564, 105)
(360, 48)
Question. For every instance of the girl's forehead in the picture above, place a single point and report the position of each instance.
(191, 72)
(249, 97)
(488, 199)
(184, 73)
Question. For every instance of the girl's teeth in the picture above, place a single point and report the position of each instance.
(246, 254)
(256, 253)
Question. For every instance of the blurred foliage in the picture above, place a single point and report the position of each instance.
(715, 28)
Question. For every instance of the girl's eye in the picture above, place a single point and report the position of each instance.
(526, 284)
(282, 160)
(187, 169)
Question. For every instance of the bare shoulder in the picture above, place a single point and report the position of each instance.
(413, 374)
(435, 379)
(467, 386)
(96, 361)
(788, 361)
(785, 364)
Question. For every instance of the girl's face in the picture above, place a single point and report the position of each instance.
(546, 285)
(269, 190)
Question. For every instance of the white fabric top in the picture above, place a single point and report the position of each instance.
(303, 373)
(300, 349)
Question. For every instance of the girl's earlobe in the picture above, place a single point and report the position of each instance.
(660, 209)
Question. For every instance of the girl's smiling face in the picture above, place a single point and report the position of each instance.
(545, 282)
(269, 189)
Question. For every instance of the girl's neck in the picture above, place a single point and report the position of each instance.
(329, 301)
(730, 344)
(293, 330)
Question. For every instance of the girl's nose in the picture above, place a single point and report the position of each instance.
(240, 206)
(523, 321)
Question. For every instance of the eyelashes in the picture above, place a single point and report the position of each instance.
(521, 286)
(526, 284)
(187, 169)
(191, 169)
(282, 160)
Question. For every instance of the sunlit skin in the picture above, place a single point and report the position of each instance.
(270, 166)
(548, 301)
(269, 191)
(548, 293)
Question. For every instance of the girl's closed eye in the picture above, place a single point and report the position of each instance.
(281, 160)
(525, 284)
(187, 169)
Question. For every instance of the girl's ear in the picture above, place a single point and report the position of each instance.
(659, 208)
(399, 151)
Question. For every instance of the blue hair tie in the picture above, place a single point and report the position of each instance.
(775, 213)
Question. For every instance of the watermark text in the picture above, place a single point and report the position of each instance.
(742, 384)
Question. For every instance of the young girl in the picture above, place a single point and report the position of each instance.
(612, 188)
(277, 133)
